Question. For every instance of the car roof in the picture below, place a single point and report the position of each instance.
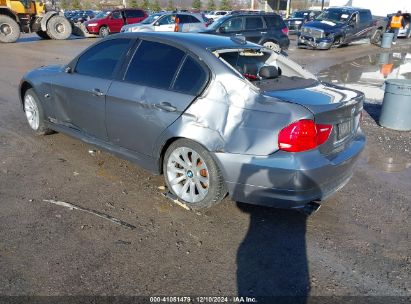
(347, 8)
(191, 40)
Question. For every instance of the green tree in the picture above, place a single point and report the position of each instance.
(145, 4)
(170, 5)
(225, 5)
(211, 5)
(75, 4)
(196, 4)
(133, 4)
(156, 6)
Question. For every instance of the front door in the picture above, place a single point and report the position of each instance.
(80, 95)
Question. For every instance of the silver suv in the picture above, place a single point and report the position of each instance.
(168, 22)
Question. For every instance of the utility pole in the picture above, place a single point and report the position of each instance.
(287, 14)
(322, 5)
(125, 3)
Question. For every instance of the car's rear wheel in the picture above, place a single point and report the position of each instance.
(376, 37)
(104, 31)
(272, 46)
(34, 113)
(192, 175)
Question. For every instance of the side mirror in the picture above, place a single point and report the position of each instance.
(221, 29)
(67, 69)
(157, 23)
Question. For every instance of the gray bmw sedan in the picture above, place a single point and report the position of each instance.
(215, 115)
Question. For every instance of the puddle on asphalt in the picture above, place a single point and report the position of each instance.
(368, 73)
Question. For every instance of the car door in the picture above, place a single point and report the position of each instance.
(184, 22)
(165, 23)
(254, 28)
(232, 26)
(115, 21)
(160, 83)
(134, 16)
(351, 31)
(79, 94)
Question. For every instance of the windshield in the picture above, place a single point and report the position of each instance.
(216, 24)
(101, 15)
(299, 14)
(150, 19)
(338, 16)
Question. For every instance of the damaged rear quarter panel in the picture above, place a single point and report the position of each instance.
(232, 116)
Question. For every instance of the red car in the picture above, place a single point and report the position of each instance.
(108, 22)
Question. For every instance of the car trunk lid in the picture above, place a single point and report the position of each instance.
(337, 106)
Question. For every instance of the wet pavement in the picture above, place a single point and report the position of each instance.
(358, 244)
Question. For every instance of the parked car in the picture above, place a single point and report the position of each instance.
(405, 32)
(214, 114)
(337, 26)
(168, 22)
(298, 18)
(112, 21)
(215, 15)
(82, 16)
(267, 29)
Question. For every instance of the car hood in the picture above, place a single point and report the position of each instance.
(46, 70)
(324, 25)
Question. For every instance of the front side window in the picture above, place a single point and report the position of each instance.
(102, 59)
(154, 64)
(169, 19)
(116, 15)
(233, 24)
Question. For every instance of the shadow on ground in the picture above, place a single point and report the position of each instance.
(374, 110)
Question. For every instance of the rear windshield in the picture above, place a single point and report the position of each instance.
(267, 70)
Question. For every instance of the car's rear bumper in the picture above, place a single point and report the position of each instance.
(288, 180)
(316, 43)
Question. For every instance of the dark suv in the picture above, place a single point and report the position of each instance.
(267, 29)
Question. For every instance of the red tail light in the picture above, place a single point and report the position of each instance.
(303, 135)
(285, 30)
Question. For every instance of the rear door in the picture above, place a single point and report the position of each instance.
(184, 22)
(160, 83)
(254, 28)
(134, 16)
(79, 96)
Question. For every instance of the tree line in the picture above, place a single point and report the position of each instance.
(153, 5)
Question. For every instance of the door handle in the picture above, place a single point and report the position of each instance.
(97, 92)
(263, 33)
(165, 106)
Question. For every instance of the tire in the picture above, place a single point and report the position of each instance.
(34, 113)
(43, 35)
(58, 28)
(9, 29)
(104, 31)
(199, 186)
(272, 46)
(376, 37)
(338, 42)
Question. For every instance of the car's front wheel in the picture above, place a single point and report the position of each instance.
(34, 113)
(192, 175)
(104, 31)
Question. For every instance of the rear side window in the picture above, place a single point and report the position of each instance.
(154, 64)
(134, 13)
(101, 60)
(253, 23)
(194, 20)
(274, 21)
(184, 18)
(191, 78)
